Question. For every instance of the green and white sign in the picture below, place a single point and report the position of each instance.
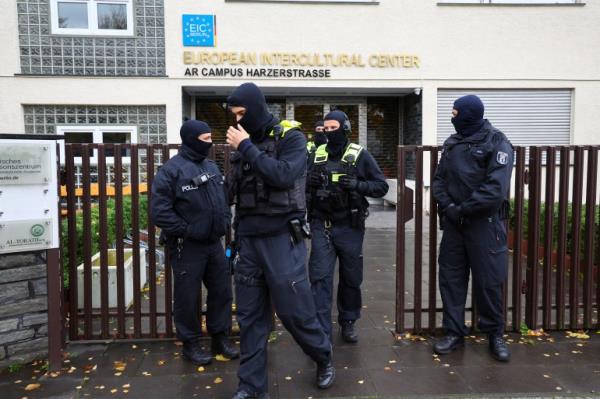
(25, 235)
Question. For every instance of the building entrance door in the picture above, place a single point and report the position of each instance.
(308, 113)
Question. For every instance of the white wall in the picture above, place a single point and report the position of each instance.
(459, 47)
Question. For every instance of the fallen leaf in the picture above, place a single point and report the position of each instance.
(133, 346)
(386, 368)
(126, 386)
(546, 354)
(361, 381)
(161, 362)
(546, 376)
(221, 358)
(146, 374)
(114, 390)
(178, 343)
(558, 388)
(218, 380)
(118, 374)
(445, 365)
(288, 378)
(18, 381)
(99, 387)
(391, 361)
(200, 369)
(31, 387)
(78, 387)
(578, 335)
(125, 390)
(207, 387)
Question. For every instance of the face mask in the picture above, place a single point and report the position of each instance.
(320, 138)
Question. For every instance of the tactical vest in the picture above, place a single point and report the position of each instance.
(253, 195)
(311, 147)
(331, 200)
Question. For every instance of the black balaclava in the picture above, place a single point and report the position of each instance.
(257, 120)
(193, 148)
(470, 115)
(320, 138)
(337, 139)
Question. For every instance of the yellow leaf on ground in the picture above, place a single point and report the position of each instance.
(18, 381)
(578, 335)
(126, 386)
(288, 378)
(218, 380)
(161, 362)
(32, 387)
(221, 358)
(200, 369)
(113, 391)
(361, 381)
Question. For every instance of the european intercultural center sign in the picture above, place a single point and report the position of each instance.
(287, 65)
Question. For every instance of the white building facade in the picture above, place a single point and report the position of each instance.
(133, 70)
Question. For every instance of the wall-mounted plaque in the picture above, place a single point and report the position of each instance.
(25, 235)
(25, 163)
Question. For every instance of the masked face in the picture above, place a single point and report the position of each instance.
(336, 137)
(197, 137)
(255, 117)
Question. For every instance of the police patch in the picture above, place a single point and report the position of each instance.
(502, 158)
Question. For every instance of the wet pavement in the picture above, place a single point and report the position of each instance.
(380, 365)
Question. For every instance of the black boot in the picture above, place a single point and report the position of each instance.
(448, 343)
(498, 348)
(325, 374)
(193, 352)
(241, 394)
(222, 346)
(349, 333)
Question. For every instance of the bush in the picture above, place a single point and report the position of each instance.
(95, 227)
(555, 226)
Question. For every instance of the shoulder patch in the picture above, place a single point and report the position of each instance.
(502, 158)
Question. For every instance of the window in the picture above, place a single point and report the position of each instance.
(92, 17)
(98, 135)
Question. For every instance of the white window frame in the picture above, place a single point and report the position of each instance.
(92, 12)
(97, 134)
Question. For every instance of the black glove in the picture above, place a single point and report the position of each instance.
(453, 214)
(348, 182)
(316, 180)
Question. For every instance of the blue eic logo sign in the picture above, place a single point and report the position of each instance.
(199, 30)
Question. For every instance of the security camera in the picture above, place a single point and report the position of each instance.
(417, 91)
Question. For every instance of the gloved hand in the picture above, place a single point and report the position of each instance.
(348, 182)
(316, 180)
(453, 214)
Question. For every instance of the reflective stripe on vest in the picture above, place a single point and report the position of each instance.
(283, 127)
(350, 155)
(310, 146)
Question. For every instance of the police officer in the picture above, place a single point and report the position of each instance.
(341, 174)
(268, 187)
(319, 138)
(189, 205)
(471, 186)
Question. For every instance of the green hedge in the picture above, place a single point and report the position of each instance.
(95, 222)
(555, 226)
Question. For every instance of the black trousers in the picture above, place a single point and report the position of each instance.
(196, 263)
(478, 246)
(271, 272)
(343, 242)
